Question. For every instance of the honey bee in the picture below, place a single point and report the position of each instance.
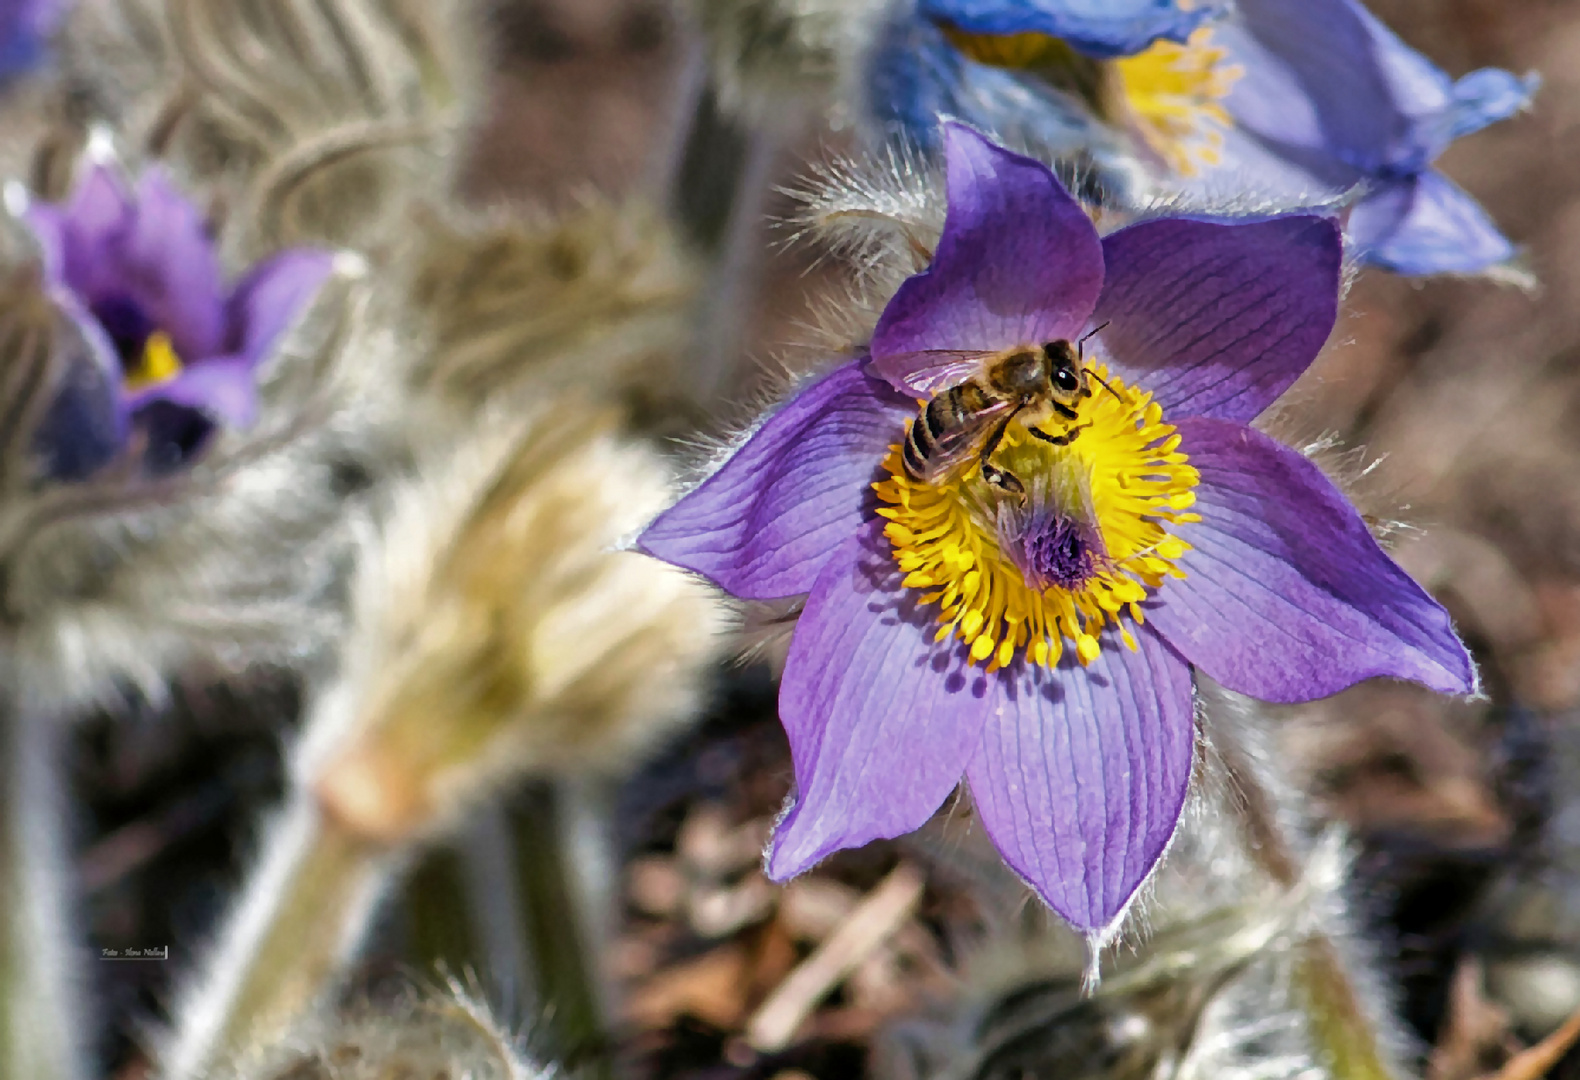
(970, 417)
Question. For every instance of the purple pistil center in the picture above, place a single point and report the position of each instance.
(1059, 553)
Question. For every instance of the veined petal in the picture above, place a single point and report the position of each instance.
(1287, 596)
(1100, 28)
(172, 269)
(1019, 263)
(271, 297)
(880, 717)
(1082, 773)
(763, 525)
(1426, 225)
(1218, 319)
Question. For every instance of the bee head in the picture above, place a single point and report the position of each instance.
(1064, 367)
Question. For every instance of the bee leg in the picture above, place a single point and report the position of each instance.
(1059, 440)
(1002, 479)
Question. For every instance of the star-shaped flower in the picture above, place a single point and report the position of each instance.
(1016, 588)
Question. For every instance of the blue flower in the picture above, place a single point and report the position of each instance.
(1293, 101)
(24, 27)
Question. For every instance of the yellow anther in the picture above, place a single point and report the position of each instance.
(1174, 93)
(945, 537)
(1087, 649)
(158, 363)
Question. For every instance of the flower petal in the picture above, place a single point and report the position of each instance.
(271, 297)
(1426, 225)
(1325, 76)
(763, 525)
(880, 718)
(1219, 319)
(1287, 596)
(1486, 96)
(915, 78)
(1082, 773)
(222, 388)
(1100, 28)
(171, 268)
(91, 227)
(87, 424)
(1018, 263)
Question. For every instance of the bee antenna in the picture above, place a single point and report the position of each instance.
(1094, 331)
(1105, 385)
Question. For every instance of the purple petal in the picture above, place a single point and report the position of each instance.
(1019, 263)
(1426, 225)
(91, 226)
(1486, 96)
(1325, 76)
(1287, 596)
(222, 388)
(171, 268)
(1082, 773)
(1218, 319)
(271, 297)
(880, 718)
(763, 525)
(87, 424)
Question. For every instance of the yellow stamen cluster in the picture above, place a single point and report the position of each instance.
(1169, 93)
(158, 364)
(1173, 93)
(1133, 482)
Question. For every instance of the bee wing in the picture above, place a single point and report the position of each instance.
(930, 370)
(962, 442)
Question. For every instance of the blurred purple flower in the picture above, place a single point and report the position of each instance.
(1043, 646)
(1293, 100)
(25, 25)
(170, 351)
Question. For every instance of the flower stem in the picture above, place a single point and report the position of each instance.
(298, 920)
(1347, 1041)
(41, 1032)
(561, 909)
(715, 185)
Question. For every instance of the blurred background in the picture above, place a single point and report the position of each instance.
(1457, 407)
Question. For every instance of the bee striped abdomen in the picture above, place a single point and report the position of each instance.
(943, 427)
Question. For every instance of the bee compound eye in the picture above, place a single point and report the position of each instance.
(1066, 380)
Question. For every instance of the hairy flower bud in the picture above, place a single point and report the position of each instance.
(450, 1034)
(496, 630)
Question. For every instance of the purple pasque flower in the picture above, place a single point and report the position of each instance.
(1041, 644)
(171, 349)
(1296, 101)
